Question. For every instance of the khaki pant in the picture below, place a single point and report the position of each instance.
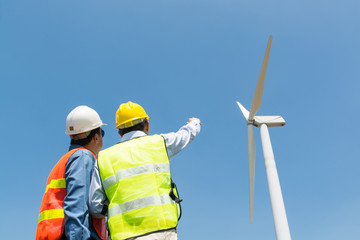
(166, 235)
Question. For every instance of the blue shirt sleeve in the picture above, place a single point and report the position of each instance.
(77, 176)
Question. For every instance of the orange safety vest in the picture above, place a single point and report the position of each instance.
(51, 222)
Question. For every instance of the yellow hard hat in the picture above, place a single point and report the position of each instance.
(130, 114)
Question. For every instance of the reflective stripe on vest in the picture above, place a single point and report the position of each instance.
(51, 214)
(56, 183)
(139, 203)
(51, 223)
(137, 182)
(131, 172)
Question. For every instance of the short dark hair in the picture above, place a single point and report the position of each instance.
(85, 141)
(137, 127)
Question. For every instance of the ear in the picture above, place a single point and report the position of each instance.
(119, 132)
(147, 127)
(96, 137)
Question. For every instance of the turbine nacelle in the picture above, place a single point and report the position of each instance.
(270, 121)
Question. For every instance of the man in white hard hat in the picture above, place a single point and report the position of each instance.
(132, 182)
(64, 210)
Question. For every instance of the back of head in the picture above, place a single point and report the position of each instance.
(130, 114)
(130, 117)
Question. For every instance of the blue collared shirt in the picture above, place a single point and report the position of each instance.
(78, 172)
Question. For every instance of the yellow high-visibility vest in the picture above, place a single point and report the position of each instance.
(136, 178)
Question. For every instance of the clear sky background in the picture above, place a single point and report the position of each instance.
(180, 59)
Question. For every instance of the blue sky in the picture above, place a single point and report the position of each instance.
(180, 59)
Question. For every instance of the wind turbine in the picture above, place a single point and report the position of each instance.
(263, 122)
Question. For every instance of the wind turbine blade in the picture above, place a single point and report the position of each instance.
(252, 153)
(243, 110)
(260, 84)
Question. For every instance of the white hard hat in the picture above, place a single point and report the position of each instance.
(82, 119)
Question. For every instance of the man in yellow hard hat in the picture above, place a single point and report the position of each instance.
(132, 183)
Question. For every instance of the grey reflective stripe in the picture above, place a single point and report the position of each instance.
(139, 203)
(131, 172)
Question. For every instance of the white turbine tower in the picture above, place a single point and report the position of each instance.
(263, 122)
